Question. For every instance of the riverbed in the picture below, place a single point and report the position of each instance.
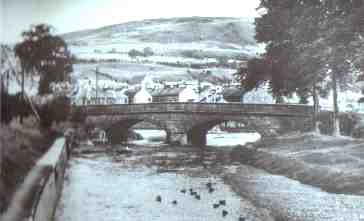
(107, 185)
(104, 184)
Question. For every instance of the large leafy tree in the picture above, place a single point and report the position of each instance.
(45, 55)
(307, 43)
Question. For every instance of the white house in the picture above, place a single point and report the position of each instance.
(188, 95)
(260, 95)
(176, 94)
(142, 96)
(148, 82)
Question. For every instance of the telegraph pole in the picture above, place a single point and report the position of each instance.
(1, 101)
(199, 89)
(1, 121)
(97, 84)
(22, 96)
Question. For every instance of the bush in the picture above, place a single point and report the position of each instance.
(55, 111)
(77, 116)
(13, 106)
(148, 51)
(133, 53)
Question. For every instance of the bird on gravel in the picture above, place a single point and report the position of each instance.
(222, 202)
(241, 218)
(224, 213)
(158, 198)
(211, 190)
(183, 191)
(216, 205)
(209, 185)
(198, 197)
(174, 202)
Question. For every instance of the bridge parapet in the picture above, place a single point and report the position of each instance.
(224, 108)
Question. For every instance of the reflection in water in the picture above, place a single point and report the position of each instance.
(119, 187)
(231, 139)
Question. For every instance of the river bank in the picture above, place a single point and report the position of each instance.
(302, 177)
(22, 146)
(334, 164)
(290, 200)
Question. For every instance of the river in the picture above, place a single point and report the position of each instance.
(102, 184)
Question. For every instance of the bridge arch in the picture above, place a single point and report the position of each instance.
(118, 131)
(265, 126)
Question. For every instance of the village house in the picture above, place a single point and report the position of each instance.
(142, 96)
(130, 93)
(120, 97)
(102, 98)
(176, 94)
(211, 96)
(260, 95)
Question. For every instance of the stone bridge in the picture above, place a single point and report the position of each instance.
(188, 123)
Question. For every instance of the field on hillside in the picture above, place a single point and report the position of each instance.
(174, 46)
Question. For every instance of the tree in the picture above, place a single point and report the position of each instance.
(307, 41)
(148, 51)
(133, 53)
(44, 54)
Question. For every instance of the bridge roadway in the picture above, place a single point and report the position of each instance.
(188, 123)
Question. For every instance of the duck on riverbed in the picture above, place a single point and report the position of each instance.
(224, 213)
(174, 202)
(123, 150)
(222, 202)
(158, 198)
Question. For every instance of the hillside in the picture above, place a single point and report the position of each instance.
(170, 36)
(175, 46)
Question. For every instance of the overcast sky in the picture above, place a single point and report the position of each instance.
(72, 15)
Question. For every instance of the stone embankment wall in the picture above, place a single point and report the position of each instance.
(38, 196)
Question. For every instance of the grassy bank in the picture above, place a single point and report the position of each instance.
(335, 165)
(22, 145)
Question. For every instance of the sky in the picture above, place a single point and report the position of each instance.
(73, 15)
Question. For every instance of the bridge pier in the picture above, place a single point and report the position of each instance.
(117, 135)
(197, 137)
